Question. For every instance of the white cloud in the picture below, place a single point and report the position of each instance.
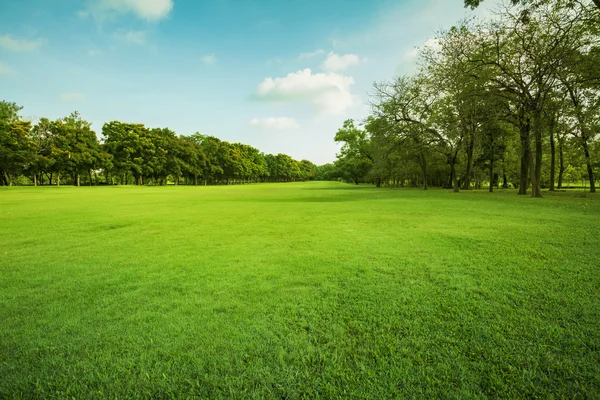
(11, 43)
(277, 124)
(411, 54)
(93, 52)
(134, 37)
(433, 43)
(5, 69)
(414, 52)
(304, 56)
(151, 10)
(336, 62)
(72, 96)
(328, 92)
(209, 59)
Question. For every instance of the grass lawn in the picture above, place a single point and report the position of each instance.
(309, 290)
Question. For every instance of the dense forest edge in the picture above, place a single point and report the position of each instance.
(67, 151)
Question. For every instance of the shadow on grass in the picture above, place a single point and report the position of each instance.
(344, 187)
(323, 199)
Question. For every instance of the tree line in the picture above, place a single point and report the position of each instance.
(67, 151)
(512, 101)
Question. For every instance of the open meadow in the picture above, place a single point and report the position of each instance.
(300, 290)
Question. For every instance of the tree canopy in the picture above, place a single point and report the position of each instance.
(68, 150)
(509, 101)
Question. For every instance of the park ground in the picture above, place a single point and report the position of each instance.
(300, 290)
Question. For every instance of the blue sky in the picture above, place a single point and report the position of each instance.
(279, 75)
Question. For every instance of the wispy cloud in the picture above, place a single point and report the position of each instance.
(336, 62)
(150, 10)
(131, 36)
(72, 96)
(304, 56)
(275, 124)
(12, 43)
(412, 54)
(209, 59)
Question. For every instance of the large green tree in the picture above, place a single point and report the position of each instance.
(16, 149)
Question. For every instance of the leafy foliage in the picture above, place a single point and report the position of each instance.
(131, 153)
(487, 100)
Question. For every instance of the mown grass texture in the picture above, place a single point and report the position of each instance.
(301, 290)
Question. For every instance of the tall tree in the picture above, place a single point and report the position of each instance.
(14, 146)
(526, 55)
(16, 149)
(355, 159)
(42, 138)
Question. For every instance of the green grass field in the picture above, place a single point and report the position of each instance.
(312, 290)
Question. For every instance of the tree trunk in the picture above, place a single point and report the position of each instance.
(50, 181)
(453, 177)
(34, 180)
(525, 154)
(531, 174)
(90, 173)
(561, 162)
(467, 179)
(423, 163)
(492, 173)
(77, 179)
(57, 178)
(536, 190)
(552, 153)
(588, 163)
